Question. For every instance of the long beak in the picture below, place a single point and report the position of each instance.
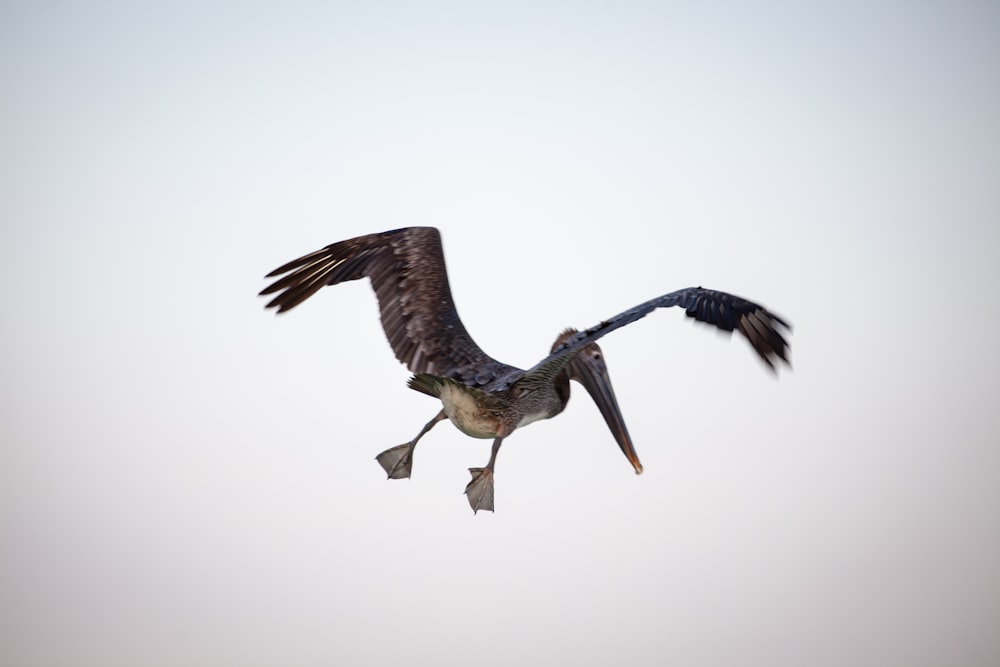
(597, 382)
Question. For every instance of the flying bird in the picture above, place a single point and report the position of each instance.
(483, 397)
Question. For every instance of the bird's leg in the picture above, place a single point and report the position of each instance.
(480, 490)
(398, 461)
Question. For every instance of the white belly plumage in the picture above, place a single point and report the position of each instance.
(471, 419)
(466, 415)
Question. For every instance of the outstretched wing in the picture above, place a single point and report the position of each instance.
(407, 270)
(726, 311)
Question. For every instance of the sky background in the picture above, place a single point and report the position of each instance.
(186, 479)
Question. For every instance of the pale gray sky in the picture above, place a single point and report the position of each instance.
(188, 480)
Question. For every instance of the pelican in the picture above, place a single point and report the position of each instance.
(483, 397)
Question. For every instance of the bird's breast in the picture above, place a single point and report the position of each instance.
(532, 417)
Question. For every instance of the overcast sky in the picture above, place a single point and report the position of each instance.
(186, 479)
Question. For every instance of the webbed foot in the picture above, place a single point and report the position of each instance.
(480, 490)
(397, 461)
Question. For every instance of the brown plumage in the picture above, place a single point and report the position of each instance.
(482, 396)
(407, 270)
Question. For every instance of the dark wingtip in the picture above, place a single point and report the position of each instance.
(761, 328)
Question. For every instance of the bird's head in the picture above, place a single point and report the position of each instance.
(588, 368)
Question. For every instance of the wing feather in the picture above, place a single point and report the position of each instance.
(728, 312)
(407, 271)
